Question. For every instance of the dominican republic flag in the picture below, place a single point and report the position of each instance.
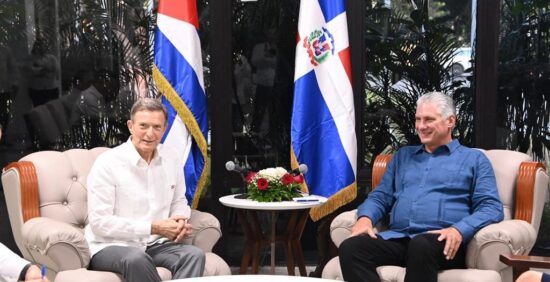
(177, 72)
(323, 116)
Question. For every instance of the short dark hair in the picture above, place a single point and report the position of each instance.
(148, 104)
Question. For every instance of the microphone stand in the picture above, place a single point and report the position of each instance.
(243, 195)
(230, 166)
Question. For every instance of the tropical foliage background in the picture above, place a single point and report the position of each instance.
(409, 50)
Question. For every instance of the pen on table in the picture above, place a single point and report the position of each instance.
(307, 200)
(43, 271)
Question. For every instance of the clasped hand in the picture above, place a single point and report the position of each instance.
(175, 228)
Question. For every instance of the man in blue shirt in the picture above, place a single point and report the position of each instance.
(438, 195)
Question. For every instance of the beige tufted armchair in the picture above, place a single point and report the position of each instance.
(46, 199)
(522, 186)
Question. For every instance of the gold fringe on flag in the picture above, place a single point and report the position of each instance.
(189, 120)
(294, 165)
(337, 200)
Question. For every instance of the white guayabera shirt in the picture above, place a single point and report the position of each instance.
(125, 195)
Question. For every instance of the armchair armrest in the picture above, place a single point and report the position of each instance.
(58, 245)
(512, 237)
(341, 225)
(206, 230)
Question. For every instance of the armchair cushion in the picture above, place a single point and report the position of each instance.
(390, 273)
(49, 240)
(506, 237)
(341, 225)
(206, 230)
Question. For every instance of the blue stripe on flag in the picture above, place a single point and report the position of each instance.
(171, 117)
(182, 77)
(316, 141)
(194, 160)
(331, 8)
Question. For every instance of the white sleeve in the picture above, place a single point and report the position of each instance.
(101, 206)
(179, 204)
(10, 264)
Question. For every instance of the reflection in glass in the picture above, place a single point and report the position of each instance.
(264, 35)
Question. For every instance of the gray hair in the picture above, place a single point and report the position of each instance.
(444, 102)
(148, 104)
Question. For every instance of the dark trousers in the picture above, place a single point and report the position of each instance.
(135, 265)
(422, 256)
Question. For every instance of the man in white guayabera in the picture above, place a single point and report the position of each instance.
(137, 208)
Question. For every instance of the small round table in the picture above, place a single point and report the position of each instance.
(247, 212)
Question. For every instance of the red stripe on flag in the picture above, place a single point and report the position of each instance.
(185, 10)
(345, 58)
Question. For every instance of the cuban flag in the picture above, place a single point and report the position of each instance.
(177, 72)
(323, 116)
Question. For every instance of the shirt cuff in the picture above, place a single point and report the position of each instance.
(23, 273)
(369, 214)
(465, 230)
(143, 228)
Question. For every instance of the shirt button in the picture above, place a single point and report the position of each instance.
(74, 178)
(64, 203)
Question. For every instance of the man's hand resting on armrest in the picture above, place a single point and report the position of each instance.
(363, 226)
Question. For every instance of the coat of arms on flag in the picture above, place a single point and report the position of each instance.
(319, 45)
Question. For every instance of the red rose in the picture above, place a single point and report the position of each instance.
(287, 179)
(299, 178)
(262, 184)
(249, 177)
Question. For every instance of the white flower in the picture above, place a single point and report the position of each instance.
(272, 172)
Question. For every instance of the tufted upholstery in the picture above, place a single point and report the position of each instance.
(46, 198)
(522, 186)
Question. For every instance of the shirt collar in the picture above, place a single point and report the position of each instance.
(135, 157)
(450, 147)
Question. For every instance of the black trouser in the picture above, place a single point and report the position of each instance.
(422, 256)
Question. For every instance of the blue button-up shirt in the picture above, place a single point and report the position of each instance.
(453, 186)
